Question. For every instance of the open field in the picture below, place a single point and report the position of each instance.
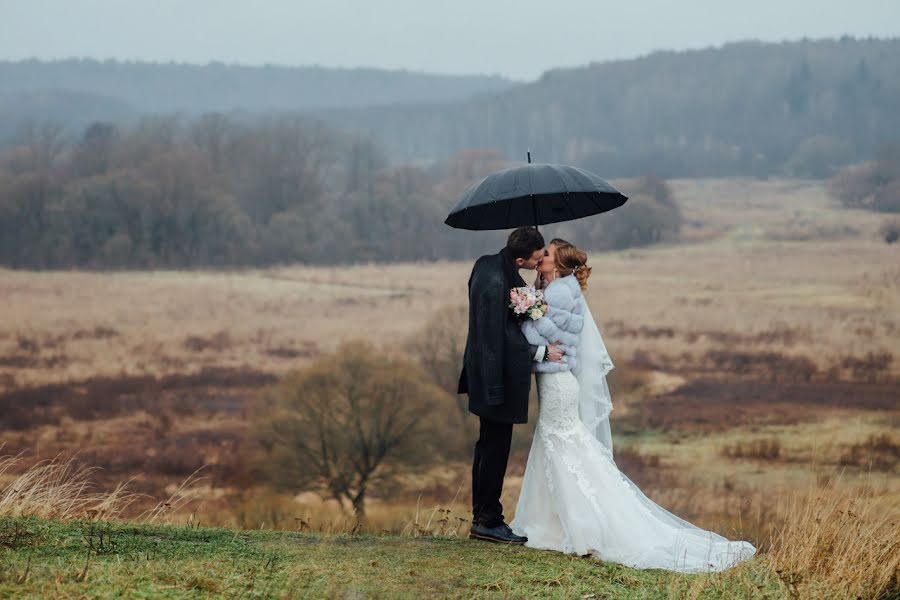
(768, 266)
(757, 357)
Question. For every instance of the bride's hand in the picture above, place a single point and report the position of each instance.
(556, 353)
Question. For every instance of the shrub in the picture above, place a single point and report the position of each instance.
(439, 349)
(873, 185)
(345, 422)
(878, 452)
(871, 367)
(650, 216)
(818, 156)
(890, 231)
(762, 449)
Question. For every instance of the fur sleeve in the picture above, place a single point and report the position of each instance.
(532, 334)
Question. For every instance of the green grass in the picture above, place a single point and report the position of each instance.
(43, 559)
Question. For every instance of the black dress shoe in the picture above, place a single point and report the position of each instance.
(501, 534)
(510, 532)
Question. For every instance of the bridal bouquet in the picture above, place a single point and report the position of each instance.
(527, 302)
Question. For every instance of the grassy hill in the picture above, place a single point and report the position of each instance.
(170, 87)
(76, 92)
(44, 558)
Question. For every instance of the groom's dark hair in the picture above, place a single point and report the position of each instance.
(524, 241)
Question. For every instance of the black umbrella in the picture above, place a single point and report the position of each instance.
(534, 194)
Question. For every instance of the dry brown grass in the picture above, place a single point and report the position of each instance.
(179, 498)
(61, 488)
(879, 452)
(760, 449)
(177, 322)
(58, 488)
(134, 421)
(838, 542)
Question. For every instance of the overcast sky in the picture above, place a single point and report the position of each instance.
(514, 38)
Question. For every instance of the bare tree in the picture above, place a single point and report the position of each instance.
(284, 166)
(94, 151)
(152, 136)
(210, 133)
(44, 141)
(345, 423)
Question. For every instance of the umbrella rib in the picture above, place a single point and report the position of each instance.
(596, 202)
(566, 202)
(592, 195)
(572, 216)
(508, 208)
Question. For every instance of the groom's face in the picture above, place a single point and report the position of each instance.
(531, 262)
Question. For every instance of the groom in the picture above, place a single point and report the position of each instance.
(496, 374)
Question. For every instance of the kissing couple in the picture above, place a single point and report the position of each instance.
(574, 499)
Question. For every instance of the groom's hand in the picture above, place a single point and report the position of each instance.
(555, 353)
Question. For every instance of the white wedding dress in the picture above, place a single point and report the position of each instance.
(574, 499)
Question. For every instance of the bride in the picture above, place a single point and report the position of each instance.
(574, 499)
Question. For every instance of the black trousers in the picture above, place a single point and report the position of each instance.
(488, 470)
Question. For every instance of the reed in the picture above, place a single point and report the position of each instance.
(58, 488)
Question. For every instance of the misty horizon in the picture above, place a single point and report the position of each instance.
(375, 68)
(516, 41)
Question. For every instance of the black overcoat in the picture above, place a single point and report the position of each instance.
(496, 370)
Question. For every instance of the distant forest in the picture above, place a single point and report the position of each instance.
(130, 165)
(800, 108)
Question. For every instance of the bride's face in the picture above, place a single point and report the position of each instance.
(548, 265)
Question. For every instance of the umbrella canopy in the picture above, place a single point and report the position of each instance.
(534, 194)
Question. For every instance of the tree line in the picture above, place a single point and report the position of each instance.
(214, 191)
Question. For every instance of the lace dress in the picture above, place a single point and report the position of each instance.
(574, 499)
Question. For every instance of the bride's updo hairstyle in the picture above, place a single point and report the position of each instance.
(570, 259)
